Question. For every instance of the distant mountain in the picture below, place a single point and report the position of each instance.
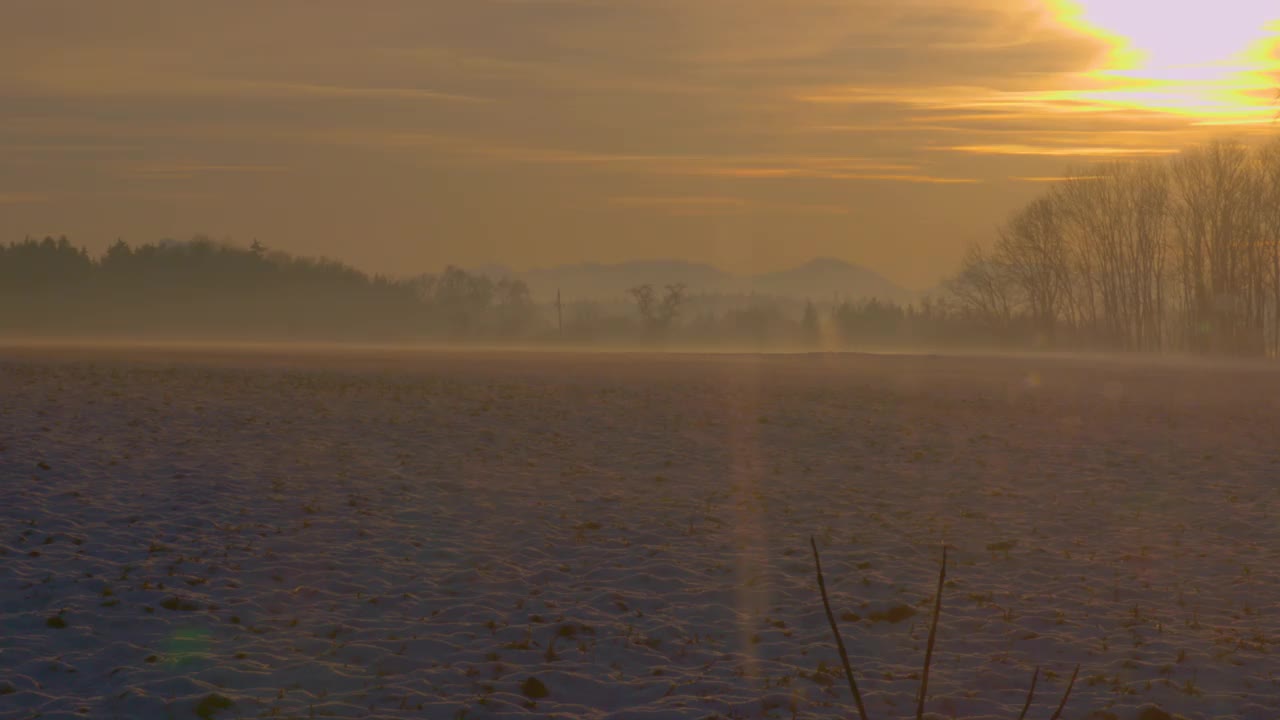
(830, 278)
(492, 270)
(596, 281)
(822, 278)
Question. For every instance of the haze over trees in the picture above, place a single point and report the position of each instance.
(1171, 254)
(1156, 255)
(205, 289)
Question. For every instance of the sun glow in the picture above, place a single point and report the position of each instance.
(1217, 62)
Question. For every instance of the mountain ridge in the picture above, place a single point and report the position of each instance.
(820, 277)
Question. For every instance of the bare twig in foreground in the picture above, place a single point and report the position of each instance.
(844, 656)
(928, 654)
(1031, 693)
(933, 636)
(1058, 713)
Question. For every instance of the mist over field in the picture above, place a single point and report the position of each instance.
(640, 359)
(1173, 255)
(362, 532)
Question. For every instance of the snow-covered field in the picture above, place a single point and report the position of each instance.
(465, 535)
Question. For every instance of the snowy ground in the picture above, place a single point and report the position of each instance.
(436, 535)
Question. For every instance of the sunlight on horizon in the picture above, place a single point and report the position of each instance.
(1216, 63)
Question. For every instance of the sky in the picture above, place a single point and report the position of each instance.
(404, 135)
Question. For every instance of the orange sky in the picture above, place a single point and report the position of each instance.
(400, 135)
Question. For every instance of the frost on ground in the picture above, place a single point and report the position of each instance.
(481, 535)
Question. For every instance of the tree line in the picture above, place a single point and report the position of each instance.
(205, 288)
(202, 288)
(1172, 254)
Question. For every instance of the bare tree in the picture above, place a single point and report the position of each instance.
(1268, 177)
(656, 313)
(985, 289)
(645, 303)
(1032, 250)
(672, 304)
(1212, 216)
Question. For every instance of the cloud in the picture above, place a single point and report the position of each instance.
(22, 198)
(506, 126)
(179, 171)
(1054, 178)
(306, 90)
(720, 205)
(1060, 150)
(806, 209)
(154, 75)
(681, 205)
(819, 173)
(62, 147)
(741, 167)
(528, 75)
(677, 201)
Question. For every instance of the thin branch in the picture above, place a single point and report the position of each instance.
(933, 636)
(844, 656)
(1058, 713)
(1030, 693)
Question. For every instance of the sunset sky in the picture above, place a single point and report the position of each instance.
(400, 135)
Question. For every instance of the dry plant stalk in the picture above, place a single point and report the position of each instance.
(933, 636)
(1062, 705)
(1031, 693)
(928, 655)
(844, 656)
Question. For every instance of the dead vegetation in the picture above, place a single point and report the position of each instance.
(928, 653)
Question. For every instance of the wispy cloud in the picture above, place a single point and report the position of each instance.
(22, 198)
(720, 205)
(806, 209)
(155, 74)
(177, 171)
(817, 172)
(311, 90)
(38, 148)
(681, 205)
(1052, 178)
(572, 120)
(549, 74)
(1166, 113)
(1060, 150)
(751, 166)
